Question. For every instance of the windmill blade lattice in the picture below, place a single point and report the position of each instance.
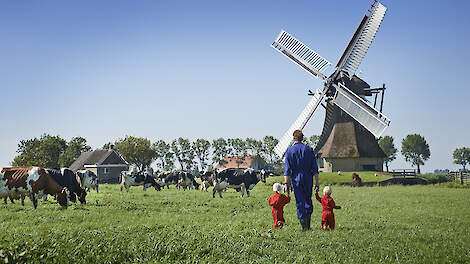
(305, 57)
(307, 113)
(362, 112)
(362, 39)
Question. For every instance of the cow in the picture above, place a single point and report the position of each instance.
(33, 182)
(87, 180)
(186, 181)
(167, 178)
(206, 179)
(357, 181)
(129, 179)
(67, 178)
(14, 197)
(244, 179)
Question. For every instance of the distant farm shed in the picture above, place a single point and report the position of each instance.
(107, 164)
(242, 162)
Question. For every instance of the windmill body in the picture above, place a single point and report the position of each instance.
(348, 140)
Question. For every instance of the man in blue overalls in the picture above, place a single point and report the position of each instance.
(301, 167)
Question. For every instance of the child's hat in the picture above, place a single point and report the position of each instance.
(277, 187)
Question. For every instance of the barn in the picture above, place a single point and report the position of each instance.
(107, 164)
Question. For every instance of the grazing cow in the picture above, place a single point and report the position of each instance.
(186, 181)
(357, 181)
(87, 180)
(206, 179)
(167, 178)
(244, 179)
(66, 178)
(31, 181)
(14, 197)
(129, 179)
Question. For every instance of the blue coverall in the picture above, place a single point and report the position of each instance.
(301, 165)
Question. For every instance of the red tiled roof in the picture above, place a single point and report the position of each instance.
(231, 162)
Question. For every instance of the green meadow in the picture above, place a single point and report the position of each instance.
(393, 224)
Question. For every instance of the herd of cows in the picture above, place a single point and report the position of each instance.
(16, 183)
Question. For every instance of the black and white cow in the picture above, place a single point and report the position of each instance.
(167, 178)
(87, 180)
(206, 179)
(67, 178)
(245, 179)
(186, 181)
(129, 179)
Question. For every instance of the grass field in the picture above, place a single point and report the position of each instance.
(394, 224)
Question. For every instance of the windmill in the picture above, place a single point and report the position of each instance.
(344, 92)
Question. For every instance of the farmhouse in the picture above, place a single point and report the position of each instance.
(107, 164)
(243, 162)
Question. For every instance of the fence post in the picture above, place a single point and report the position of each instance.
(461, 177)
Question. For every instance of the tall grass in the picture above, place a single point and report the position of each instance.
(415, 224)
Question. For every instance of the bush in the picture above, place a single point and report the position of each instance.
(435, 178)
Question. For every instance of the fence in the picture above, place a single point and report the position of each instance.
(459, 177)
(403, 172)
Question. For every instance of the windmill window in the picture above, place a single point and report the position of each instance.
(105, 170)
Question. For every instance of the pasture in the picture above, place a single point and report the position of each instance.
(394, 224)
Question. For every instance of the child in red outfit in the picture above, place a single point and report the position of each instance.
(327, 203)
(277, 201)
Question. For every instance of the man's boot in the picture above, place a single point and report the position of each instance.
(308, 222)
(303, 224)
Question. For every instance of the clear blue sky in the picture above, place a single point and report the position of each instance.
(165, 69)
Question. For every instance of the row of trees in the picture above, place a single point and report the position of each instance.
(55, 152)
(200, 154)
(414, 149)
(182, 154)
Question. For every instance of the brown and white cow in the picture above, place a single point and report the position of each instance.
(33, 182)
(14, 197)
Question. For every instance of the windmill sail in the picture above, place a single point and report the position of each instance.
(300, 123)
(362, 39)
(357, 108)
(305, 57)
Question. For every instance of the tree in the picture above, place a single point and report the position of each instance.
(269, 142)
(238, 147)
(75, 147)
(42, 152)
(137, 151)
(387, 146)
(254, 147)
(220, 149)
(415, 150)
(183, 153)
(107, 145)
(201, 148)
(462, 156)
(163, 155)
(314, 140)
